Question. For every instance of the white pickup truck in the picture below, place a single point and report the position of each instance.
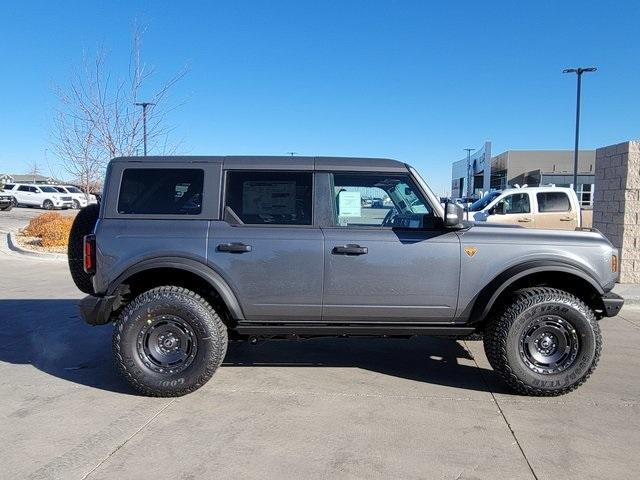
(533, 207)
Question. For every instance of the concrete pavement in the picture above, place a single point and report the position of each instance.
(324, 408)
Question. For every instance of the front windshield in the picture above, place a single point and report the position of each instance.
(48, 189)
(483, 202)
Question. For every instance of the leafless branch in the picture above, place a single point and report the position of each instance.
(97, 120)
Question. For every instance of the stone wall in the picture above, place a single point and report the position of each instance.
(616, 203)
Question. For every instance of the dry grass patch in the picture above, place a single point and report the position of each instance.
(52, 229)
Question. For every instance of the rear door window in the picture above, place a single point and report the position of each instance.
(272, 198)
(553, 202)
(161, 191)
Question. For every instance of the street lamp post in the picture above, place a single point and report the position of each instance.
(468, 150)
(144, 106)
(578, 71)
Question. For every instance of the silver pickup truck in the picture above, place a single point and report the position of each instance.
(184, 254)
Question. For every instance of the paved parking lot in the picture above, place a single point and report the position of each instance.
(19, 217)
(326, 408)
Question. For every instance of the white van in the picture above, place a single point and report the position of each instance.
(534, 207)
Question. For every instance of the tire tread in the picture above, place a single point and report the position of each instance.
(496, 333)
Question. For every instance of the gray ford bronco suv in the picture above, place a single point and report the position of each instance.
(184, 254)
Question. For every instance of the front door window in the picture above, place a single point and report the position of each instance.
(379, 200)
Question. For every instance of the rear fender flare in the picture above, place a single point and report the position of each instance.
(205, 272)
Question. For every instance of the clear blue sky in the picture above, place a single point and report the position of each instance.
(412, 80)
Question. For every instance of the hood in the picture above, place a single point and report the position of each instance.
(515, 234)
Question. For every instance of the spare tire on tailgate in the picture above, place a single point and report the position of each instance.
(82, 225)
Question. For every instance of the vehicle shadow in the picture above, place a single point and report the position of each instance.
(50, 336)
(430, 360)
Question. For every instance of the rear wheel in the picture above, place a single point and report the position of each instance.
(14, 202)
(546, 343)
(82, 225)
(169, 342)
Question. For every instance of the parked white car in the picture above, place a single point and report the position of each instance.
(36, 195)
(533, 207)
(80, 199)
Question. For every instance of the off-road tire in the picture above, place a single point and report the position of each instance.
(502, 341)
(189, 307)
(82, 225)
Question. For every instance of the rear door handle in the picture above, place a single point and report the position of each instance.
(234, 247)
(350, 249)
(566, 219)
(524, 220)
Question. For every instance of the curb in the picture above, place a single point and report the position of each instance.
(13, 246)
(630, 292)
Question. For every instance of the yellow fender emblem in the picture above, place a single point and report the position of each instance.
(471, 251)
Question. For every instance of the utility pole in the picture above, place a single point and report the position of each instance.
(468, 150)
(578, 71)
(144, 106)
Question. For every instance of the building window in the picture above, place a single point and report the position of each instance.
(585, 194)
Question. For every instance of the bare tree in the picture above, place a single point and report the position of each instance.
(97, 118)
(33, 169)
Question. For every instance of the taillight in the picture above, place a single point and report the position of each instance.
(89, 250)
(614, 264)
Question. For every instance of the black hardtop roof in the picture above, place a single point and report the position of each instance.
(276, 162)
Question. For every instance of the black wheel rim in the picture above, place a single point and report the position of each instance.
(167, 344)
(549, 345)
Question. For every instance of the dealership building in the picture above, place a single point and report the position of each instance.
(480, 172)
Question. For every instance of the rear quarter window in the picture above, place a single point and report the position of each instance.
(161, 191)
(553, 202)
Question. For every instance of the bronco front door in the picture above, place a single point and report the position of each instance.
(389, 260)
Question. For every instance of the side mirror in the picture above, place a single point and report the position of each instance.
(453, 215)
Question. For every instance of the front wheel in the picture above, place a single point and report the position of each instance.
(76, 204)
(169, 342)
(47, 205)
(547, 342)
(8, 207)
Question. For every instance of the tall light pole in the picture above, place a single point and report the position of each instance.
(578, 71)
(468, 150)
(144, 106)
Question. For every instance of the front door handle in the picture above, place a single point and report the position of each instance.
(350, 249)
(566, 219)
(234, 247)
(524, 220)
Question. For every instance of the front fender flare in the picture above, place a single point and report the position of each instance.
(192, 266)
(480, 307)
